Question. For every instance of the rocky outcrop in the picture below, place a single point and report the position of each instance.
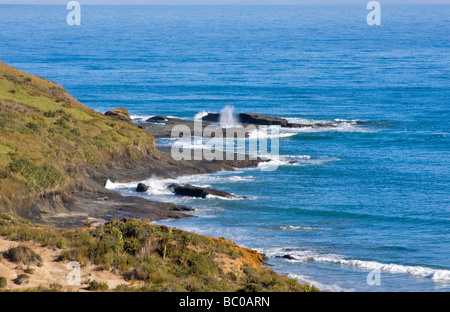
(251, 118)
(211, 117)
(158, 119)
(141, 188)
(120, 113)
(265, 120)
(195, 191)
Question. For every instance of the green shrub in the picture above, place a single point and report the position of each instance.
(97, 286)
(25, 255)
(164, 259)
(3, 282)
(132, 245)
(309, 288)
(55, 287)
(250, 287)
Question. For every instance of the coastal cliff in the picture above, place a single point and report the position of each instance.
(51, 145)
(55, 156)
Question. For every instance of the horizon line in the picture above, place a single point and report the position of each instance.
(234, 4)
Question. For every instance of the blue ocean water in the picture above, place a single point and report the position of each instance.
(370, 194)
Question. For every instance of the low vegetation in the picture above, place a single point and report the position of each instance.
(152, 258)
(97, 286)
(22, 254)
(3, 282)
(21, 279)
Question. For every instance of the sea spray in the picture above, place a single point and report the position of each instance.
(228, 119)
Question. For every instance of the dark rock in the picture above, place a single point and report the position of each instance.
(157, 119)
(195, 191)
(297, 125)
(316, 125)
(266, 120)
(250, 118)
(211, 117)
(182, 208)
(289, 257)
(120, 113)
(322, 125)
(141, 188)
(258, 119)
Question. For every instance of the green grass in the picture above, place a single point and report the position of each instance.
(36, 177)
(44, 132)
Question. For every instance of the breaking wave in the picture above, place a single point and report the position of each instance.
(298, 255)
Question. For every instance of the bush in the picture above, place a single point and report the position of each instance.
(161, 258)
(3, 282)
(97, 286)
(309, 288)
(25, 255)
(132, 246)
(22, 278)
(250, 287)
(55, 287)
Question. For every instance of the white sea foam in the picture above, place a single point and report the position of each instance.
(156, 186)
(143, 118)
(227, 118)
(140, 118)
(236, 197)
(295, 160)
(271, 132)
(159, 187)
(240, 178)
(313, 256)
(336, 125)
(200, 115)
(297, 227)
(323, 287)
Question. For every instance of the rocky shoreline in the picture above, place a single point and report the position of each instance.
(91, 201)
(56, 156)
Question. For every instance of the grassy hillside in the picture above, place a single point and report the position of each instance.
(46, 135)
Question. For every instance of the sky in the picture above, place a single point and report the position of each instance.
(223, 2)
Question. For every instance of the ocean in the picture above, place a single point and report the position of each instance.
(362, 206)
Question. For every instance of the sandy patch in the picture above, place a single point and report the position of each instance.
(52, 271)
